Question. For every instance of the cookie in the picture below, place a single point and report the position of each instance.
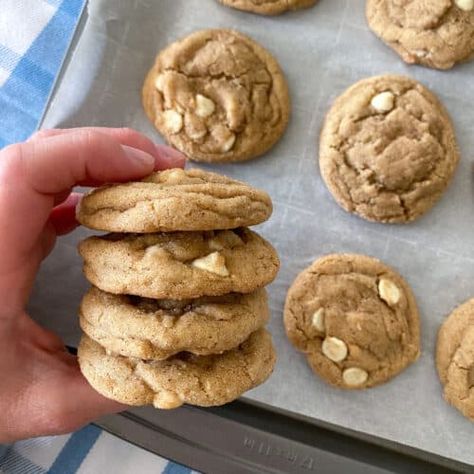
(172, 200)
(355, 319)
(185, 378)
(455, 358)
(435, 33)
(387, 149)
(157, 329)
(217, 96)
(179, 265)
(268, 7)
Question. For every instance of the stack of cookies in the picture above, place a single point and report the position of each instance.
(177, 309)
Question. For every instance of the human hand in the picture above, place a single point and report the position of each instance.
(42, 390)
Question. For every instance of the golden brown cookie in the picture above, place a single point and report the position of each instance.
(387, 149)
(435, 33)
(179, 265)
(175, 200)
(217, 96)
(355, 319)
(455, 358)
(157, 329)
(268, 7)
(185, 378)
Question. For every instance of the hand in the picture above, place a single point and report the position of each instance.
(42, 390)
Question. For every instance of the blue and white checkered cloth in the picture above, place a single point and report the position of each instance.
(34, 38)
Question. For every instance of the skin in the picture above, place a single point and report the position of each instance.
(42, 391)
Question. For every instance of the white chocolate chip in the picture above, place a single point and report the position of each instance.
(421, 53)
(204, 106)
(318, 320)
(383, 102)
(173, 120)
(389, 292)
(167, 400)
(174, 176)
(160, 82)
(228, 144)
(354, 377)
(466, 5)
(214, 263)
(334, 349)
(155, 251)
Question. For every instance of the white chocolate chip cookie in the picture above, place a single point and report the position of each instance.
(355, 319)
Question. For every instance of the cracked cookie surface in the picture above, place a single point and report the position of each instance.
(185, 378)
(387, 149)
(435, 33)
(179, 265)
(175, 200)
(268, 7)
(157, 329)
(455, 358)
(354, 318)
(217, 96)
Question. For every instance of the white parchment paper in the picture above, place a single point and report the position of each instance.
(322, 50)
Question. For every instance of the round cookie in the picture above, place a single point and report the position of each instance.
(198, 380)
(355, 319)
(455, 358)
(157, 329)
(387, 149)
(179, 265)
(173, 200)
(435, 33)
(268, 7)
(217, 96)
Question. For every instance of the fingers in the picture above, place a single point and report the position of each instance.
(63, 216)
(166, 157)
(37, 175)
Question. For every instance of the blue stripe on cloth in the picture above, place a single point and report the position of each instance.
(14, 463)
(26, 91)
(173, 468)
(75, 451)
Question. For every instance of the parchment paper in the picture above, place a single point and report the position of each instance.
(322, 50)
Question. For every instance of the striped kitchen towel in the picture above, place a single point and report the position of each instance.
(88, 451)
(34, 38)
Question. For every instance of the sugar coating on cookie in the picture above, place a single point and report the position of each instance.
(217, 96)
(157, 329)
(388, 149)
(355, 319)
(435, 33)
(455, 358)
(268, 7)
(179, 265)
(185, 378)
(175, 200)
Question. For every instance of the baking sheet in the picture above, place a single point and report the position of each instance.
(322, 50)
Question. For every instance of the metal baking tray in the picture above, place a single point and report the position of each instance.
(250, 435)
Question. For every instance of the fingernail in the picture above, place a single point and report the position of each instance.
(138, 156)
(168, 157)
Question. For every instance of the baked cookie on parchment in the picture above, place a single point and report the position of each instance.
(175, 200)
(268, 7)
(185, 378)
(455, 358)
(355, 319)
(217, 96)
(435, 33)
(387, 149)
(157, 329)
